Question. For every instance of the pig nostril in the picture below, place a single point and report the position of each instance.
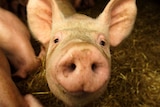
(72, 66)
(93, 66)
(56, 40)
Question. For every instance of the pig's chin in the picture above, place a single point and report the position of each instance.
(80, 94)
(77, 94)
(80, 98)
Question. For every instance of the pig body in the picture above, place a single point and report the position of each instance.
(10, 96)
(15, 43)
(77, 46)
(15, 49)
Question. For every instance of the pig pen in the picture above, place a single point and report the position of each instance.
(135, 75)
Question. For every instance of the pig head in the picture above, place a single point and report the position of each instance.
(77, 47)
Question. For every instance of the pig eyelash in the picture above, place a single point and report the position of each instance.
(56, 40)
(102, 43)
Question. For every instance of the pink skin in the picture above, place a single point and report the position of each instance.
(9, 94)
(31, 101)
(79, 68)
(85, 64)
(77, 46)
(15, 43)
(16, 48)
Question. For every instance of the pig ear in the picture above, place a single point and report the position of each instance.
(39, 14)
(119, 16)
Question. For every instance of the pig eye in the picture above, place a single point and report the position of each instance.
(101, 39)
(56, 40)
(102, 43)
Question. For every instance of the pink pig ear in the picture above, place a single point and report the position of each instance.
(119, 15)
(39, 14)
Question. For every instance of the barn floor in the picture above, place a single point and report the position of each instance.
(135, 79)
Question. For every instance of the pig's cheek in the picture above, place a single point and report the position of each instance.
(106, 50)
(51, 73)
(55, 77)
(53, 83)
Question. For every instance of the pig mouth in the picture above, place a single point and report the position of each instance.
(78, 94)
(82, 94)
(80, 97)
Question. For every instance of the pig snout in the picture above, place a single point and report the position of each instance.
(83, 69)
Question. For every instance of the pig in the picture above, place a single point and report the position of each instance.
(77, 47)
(15, 43)
(32, 101)
(10, 95)
(15, 49)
